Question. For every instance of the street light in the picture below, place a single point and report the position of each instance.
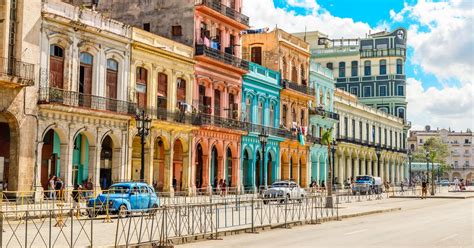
(263, 138)
(410, 156)
(378, 152)
(143, 126)
(427, 154)
(333, 151)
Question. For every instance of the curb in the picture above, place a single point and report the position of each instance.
(436, 197)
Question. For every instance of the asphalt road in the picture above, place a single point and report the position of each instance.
(421, 223)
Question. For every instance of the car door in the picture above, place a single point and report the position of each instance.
(293, 190)
(144, 197)
(134, 197)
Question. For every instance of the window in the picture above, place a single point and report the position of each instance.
(85, 79)
(421, 141)
(111, 81)
(401, 113)
(367, 132)
(294, 73)
(272, 115)
(367, 91)
(162, 93)
(383, 67)
(248, 110)
(367, 68)
(354, 68)
(353, 128)
(56, 66)
(256, 55)
(360, 130)
(284, 113)
(382, 90)
(346, 128)
(380, 136)
(303, 75)
(181, 90)
(399, 66)
(354, 91)
(176, 30)
(400, 90)
(373, 133)
(342, 69)
(146, 26)
(217, 102)
(466, 141)
(233, 107)
(141, 87)
(456, 164)
(302, 122)
(385, 136)
(260, 112)
(329, 66)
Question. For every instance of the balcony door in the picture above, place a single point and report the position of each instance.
(85, 79)
(141, 87)
(162, 94)
(256, 55)
(56, 67)
(112, 79)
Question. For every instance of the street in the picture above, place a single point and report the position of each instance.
(420, 223)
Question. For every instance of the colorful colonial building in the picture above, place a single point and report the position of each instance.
(261, 108)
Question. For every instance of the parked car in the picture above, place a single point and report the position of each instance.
(367, 185)
(122, 197)
(283, 190)
(444, 182)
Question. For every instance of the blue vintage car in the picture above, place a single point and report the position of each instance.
(122, 198)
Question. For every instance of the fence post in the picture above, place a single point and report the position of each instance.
(1, 228)
(286, 211)
(252, 216)
(217, 221)
(71, 213)
(26, 229)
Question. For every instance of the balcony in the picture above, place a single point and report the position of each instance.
(202, 50)
(16, 73)
(49, 95)
(324, 113)
(279, 132)
(217, 6)
(373, 53)
(286, 84)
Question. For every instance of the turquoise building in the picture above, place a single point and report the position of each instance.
(321, 118)
(261, 109)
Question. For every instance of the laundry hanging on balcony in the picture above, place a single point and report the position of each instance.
(255, 31)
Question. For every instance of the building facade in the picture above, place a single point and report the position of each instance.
(261, 108)
(362, 133)
(321, 118)
(283, 52)
(460, 150)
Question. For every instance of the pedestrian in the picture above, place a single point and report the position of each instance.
(401, 185)
(76, 199)
(175, 182)
(424, 189)
(52, 187)
(224, 185)
(58, 186)
(219, 187)
(456, 184)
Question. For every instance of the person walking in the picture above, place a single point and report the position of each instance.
(424, 189)
(52, 187)
(58, 186)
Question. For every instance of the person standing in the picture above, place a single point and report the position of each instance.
(59, 188)
(52, 187)
(424, 189)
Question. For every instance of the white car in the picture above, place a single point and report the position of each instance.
(282, 190)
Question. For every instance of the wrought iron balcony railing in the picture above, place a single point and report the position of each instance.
(24, 72)
(222, 57)
(343, 138)
(76, 99)
(225, 10)
(324, 113)
(300, 88)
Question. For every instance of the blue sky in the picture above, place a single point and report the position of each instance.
(439, 65)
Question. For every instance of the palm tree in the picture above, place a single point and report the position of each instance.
(326, 139)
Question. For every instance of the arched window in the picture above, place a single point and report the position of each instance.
(401, 113)
(248, 110)
(294, 73)
(260, 112)
(56, 66)
(383, 67)
(181, 91)
(284, 69)
(367, 68)
(111, 82)
(354, 68)
(217, 102)
(303, 75)
(271, 121)
(329, 66)
(342, 69)
(141, 87)
(399, 66)
(162, 93)
(321, 97)
(85, 80)
(284, 113)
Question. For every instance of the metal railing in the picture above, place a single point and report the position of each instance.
(357, 141)
(222, 57)
(225, 10)
(25, 72)
(76, 99)
(300, 88)
(324, 113)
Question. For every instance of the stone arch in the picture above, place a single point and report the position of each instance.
(9, 148)
(285, 165)
(303, 171)
(294, 166)
(247, 161)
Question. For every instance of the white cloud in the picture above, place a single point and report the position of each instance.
(447, 107)
(263, 13)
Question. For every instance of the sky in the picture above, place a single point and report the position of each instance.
(440, 56)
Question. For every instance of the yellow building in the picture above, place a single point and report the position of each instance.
(162, 84)
(281, 51)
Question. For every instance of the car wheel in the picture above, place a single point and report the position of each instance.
(122, 212)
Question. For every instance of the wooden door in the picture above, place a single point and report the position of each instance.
(142, 75)
(56, 72)
(256, 55)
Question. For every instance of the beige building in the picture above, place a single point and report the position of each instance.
(460, 148)
(361, 133)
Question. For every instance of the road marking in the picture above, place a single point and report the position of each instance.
(354, 232)
(448, 237)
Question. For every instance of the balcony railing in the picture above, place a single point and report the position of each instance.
(300, 88)
(371, 53)
(324, 113)
(225, 10)
(25, 72)
(222, 57)
(76, 99)
(343, 138)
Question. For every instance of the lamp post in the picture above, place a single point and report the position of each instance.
(333, 152)
(427, 154)
(263, 138)
(378, 152)
(410, 156)
(143, 126)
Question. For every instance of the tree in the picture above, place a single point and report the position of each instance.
(326, 139)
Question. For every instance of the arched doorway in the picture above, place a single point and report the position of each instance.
(246, 170)
(229, 169)
(80, 159)
(258, 168)
(178, 166)
(303, 178)
(291, 169)
(50, 153)
(285, 167)
(270, 168)
(106, 163)
(136, 158)
(8, 150)
(214, 167)
(159, 164)
(199, 167)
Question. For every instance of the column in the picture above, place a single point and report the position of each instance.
(149, 165)
(348, 167)
(38, 188)
(356, 167)
(386, 170)
(206, 180)
(236, 176)
(168, 172)
(65, 171)
(341, 175)
(220, 168)
(117, 164)
(94, 167)
(381, 171)
(186, 180)
(369, 164)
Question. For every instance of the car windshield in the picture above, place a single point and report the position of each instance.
(363, 178)
(280, 185)
(119, 189)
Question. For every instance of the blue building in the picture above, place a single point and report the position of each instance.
(261, 108)
(321, 118)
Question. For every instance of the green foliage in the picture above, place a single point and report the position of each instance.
(436, 150)
(326, 137)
